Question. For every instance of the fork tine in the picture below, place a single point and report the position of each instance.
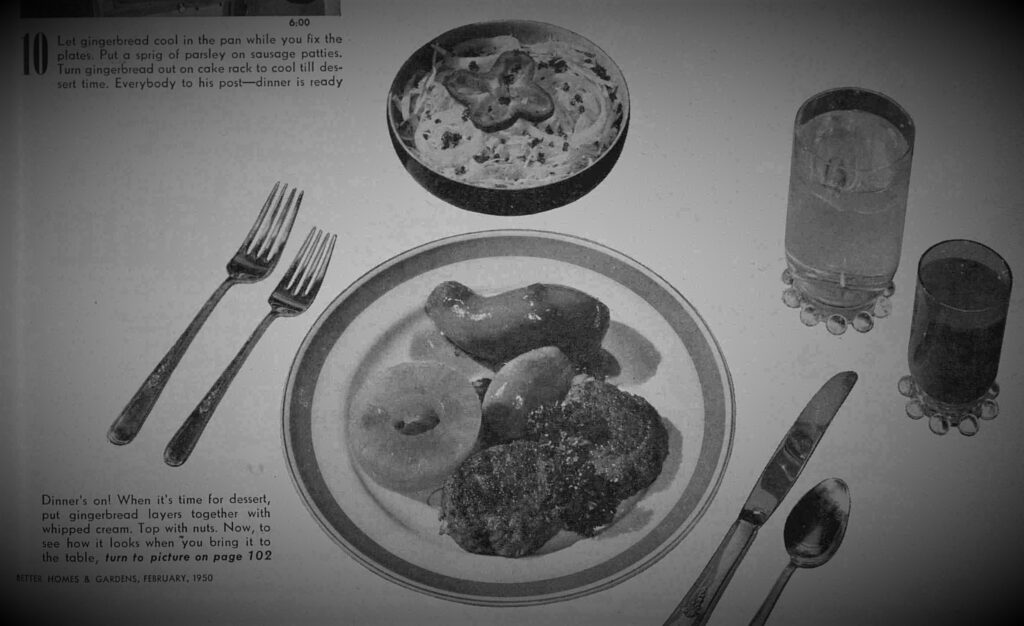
(309, 265)
(286, 280)
(256, 226)
(258, 247)
(323, 259)
(303, 278)
(282, 227)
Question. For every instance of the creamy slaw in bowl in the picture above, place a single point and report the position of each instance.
(574, 112)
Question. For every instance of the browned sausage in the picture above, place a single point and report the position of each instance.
(495, 329)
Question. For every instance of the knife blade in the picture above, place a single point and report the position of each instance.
(775, 481)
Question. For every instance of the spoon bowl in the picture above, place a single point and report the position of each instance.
(814, 531)
(816, 525)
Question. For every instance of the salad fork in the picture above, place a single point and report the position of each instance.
(292, 296)
(254, 260)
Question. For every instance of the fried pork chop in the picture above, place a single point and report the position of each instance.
(621, 433)
(578, 461)
(500, 500)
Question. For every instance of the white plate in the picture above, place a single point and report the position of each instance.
(666, 354)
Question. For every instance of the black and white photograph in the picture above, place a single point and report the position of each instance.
(600, 312)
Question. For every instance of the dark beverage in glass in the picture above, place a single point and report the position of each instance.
(963, 292)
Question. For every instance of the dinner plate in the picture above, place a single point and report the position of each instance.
(659, 346)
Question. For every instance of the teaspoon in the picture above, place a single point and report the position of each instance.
(813, 532)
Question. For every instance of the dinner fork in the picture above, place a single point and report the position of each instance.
(292, 296)
(254, 260)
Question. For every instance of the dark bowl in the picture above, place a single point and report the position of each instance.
(518, 200)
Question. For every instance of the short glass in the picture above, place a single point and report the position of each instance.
(849, 176)
(956, 335)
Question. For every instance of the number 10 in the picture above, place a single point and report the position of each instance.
(35, 53)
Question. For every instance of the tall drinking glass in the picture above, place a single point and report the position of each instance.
(849, 176)
(956, 335)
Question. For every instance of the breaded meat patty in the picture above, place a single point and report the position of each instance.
(501, 500)
(578, 461)
(616, 439)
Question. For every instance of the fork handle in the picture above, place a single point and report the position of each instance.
(184, 441)
(133, 416)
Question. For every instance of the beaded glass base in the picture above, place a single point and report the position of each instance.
(836, 319)
(942, 416)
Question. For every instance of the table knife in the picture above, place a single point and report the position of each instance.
(778, 477)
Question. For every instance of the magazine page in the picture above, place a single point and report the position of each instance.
(350, 312)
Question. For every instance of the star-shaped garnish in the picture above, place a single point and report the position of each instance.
(498, 97)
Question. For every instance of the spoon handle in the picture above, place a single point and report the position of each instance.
(773, 596)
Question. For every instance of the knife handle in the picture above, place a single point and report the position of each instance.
(696, 606)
